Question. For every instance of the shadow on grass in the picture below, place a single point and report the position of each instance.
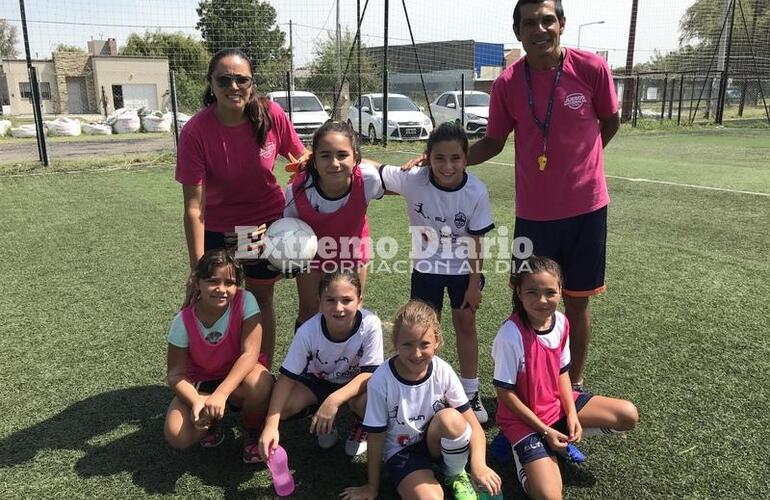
(122, 431)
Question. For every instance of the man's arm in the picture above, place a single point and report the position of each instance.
(485, 149)
(608, 128)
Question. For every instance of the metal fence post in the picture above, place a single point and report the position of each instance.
(174, 108)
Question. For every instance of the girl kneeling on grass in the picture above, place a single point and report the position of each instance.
(417, 415)
(213, 354)
(537, 410)
(329, 363)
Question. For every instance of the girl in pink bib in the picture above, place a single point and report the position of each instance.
(214, 359)
(538, 412)
(332, 195)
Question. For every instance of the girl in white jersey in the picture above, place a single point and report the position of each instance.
(417, 415)
(328, 364)
(331, 194)
(449, 213)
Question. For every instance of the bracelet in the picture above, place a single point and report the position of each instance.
(545, 433)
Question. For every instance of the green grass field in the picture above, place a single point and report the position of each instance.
(93, 270)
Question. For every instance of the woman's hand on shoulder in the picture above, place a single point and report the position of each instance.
(419, 161)
(366, 492)
(297, 165)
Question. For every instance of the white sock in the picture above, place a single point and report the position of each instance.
(470, 386)
(455, 452)
(600, 431)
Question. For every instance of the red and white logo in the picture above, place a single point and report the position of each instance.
(575, 101)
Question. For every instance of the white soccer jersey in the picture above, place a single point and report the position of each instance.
(313, 352)
(441, 220)
(403, 408)
(373, 190)
(508, 350)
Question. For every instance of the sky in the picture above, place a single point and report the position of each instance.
(73, 22)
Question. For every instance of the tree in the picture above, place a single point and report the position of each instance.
(63, 47)
(9, 36)
(187, 58)
(323, 69)
(248, 25)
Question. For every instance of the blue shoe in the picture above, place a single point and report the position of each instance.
(574, 455)
(500, 448)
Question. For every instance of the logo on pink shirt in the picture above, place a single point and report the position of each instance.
(267, 151)
(575, 101)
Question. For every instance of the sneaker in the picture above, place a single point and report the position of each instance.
(251, 446)
(574, 455)
(500, 448)
(356, 442)
(478, 408)
(461, 486)
(328, 440)
(213, 437)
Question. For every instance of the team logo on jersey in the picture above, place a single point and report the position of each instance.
(267, 151)
(575, 101)
(439, 405)
(460, 220)
(214, 337)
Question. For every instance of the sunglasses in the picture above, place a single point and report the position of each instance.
(226, 81)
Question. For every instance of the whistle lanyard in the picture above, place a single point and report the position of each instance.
(542, 160)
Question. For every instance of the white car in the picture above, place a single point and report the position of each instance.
(447, 108)
(307, 112)
(406, 122)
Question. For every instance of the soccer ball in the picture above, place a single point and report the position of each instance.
(290, 245)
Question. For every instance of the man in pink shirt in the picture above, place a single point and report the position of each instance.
(561, 105)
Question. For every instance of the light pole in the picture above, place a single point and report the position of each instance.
(586, 24)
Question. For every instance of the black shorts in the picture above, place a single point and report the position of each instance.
(430, 288)
(533, 447)
(209, 386)
(409, 459)
(256, 269)
(320, 388)
(577, 243)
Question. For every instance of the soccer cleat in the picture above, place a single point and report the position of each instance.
(327, 440)
(485, 495)
(213, 437)
(573, 454)
(500, 448)
(356, 442)
(251, 446)
(461, 486)
(478, 408)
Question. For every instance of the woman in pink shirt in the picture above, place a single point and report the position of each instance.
(225, 163)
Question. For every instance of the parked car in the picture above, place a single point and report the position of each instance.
(406, 122)
(307, 112)
(448, 108)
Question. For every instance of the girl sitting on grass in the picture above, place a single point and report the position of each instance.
(418, 417)
(537, 410)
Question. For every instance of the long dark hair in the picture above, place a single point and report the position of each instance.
(532, 265)
(327, 279)
(257, 109)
